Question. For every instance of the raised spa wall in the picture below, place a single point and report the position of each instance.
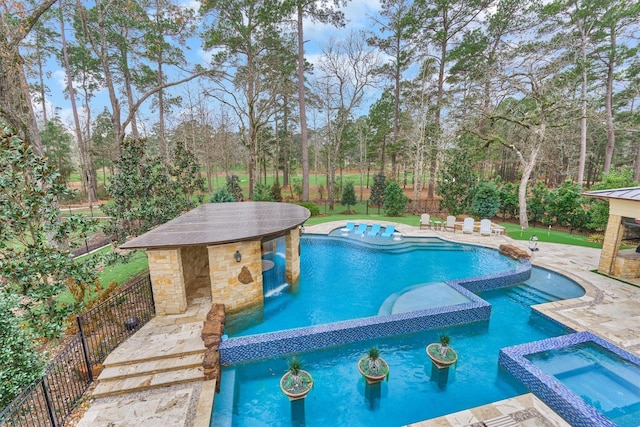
(562, 400)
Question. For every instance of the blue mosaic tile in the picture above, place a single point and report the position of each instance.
(562, 400)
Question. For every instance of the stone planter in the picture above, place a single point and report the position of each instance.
(296, 388)
(441, 356)
(373, 377)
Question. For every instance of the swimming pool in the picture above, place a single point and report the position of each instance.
(251, 396)
(345, 279)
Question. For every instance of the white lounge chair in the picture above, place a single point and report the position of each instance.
(425, 220)
(467, 226)
(451, 223)
(485, 227)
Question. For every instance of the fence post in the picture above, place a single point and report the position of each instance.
(85, 349)
(47, 399)
(150, 290)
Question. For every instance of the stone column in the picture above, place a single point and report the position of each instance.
(237, 285)
(167, 279)
(292, 248)
(612, 239)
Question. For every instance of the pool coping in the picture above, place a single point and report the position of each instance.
(270, 344)
(551, 391)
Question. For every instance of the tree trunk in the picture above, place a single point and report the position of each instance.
(15, 99)
(85, 155)
(302, 106)
(608, 154)
(583, 119)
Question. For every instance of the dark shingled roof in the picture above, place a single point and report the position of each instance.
(632, 193)
(217, 223)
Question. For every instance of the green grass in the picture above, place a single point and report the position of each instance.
(513, 230)
(551, 236)
(119, 272)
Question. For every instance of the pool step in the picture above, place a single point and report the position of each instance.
(530, 296)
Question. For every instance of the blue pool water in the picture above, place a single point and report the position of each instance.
(600, 377)
(337, 282)
(343, 279)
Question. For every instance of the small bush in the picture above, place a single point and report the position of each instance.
(262, 193)
(313, 208)
(21, 364)
(348, 196)
(222, 196)
(596, 238)
(276, 192)
(395, 202)
(233, 187)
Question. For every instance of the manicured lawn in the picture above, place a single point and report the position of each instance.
(544, 234)
(119, 272)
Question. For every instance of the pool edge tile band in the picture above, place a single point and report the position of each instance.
(550, 390)
(289, 341)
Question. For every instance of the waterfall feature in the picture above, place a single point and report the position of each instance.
(274, 267)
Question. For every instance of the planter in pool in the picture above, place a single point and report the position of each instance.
(441, 358)
(296, 386)
(373, 376)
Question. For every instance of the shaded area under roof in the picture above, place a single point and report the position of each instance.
(217, 223)
(631, 193)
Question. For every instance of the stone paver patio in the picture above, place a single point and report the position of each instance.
(609, 309)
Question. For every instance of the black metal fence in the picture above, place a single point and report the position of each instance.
(49, 401)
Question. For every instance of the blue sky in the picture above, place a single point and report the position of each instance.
(317, 35)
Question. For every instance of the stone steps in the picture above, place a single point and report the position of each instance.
(134, 351)
(148, 381)
(148, 367)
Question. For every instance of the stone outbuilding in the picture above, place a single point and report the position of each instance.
(624, 222)
(225, 242)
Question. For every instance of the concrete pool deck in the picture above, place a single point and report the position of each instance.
(609, 309)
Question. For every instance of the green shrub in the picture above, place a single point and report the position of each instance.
(395, 201)
(233, 187)
(313, 208)
(378, 189)
(486, 200)
(262, 193)
(21, 364)
(222, 196)
(348, 196)
(276, 192)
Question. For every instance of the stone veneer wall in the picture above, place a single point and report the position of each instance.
(627, 264)
(195, 259)
(167, 279)
(237, 285)
(292, 249)
(571, 407)
(611, 244)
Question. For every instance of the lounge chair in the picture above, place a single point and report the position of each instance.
(350, 226)
(388, 231)
(451, 224)
(425, 221)
(375, 229)
(362, 227)
(485, 227)
(467, 225)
